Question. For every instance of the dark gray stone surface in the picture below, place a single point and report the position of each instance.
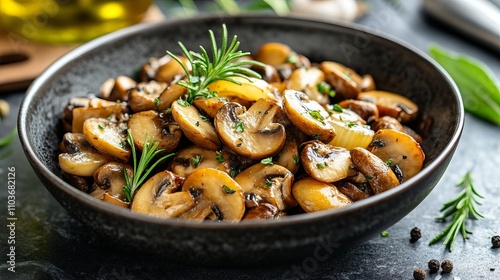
(50, 244)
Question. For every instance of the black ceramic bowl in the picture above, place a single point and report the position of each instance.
(394, 65)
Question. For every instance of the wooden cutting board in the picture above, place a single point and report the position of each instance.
(21, 61)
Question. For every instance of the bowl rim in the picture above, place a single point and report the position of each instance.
(107, 209)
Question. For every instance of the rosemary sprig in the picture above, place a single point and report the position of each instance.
(143, 167)
(225, 64)
(462, 207)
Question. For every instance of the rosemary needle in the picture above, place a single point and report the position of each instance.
(462, 207)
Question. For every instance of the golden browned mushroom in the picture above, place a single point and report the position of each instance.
(251, 133)
(313, 195)
(158, 126)
(171, 70)
(398, 148)
(263, 211)
(367, 83)
(117, 89)
(308, 80)
(268, 73)
(97, 110)
(350, 129)
(108, 137)
(210, 105)
(159, 197)
(109, 180)
(191, 158)
(80, 158)
(289, 157)
(326, 163)
(392, 104)
(308, 116)
(352, 191)
(273, 183)
(366, 110)
(345, 80)
(386, 122)
(216, 194)
(195, 126)
(145, 96)
(148, 70)
(273, 53)
(378, 174)
(169, 95)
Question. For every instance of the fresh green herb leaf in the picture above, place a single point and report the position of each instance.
(7, 140)
(268, 184)
(388, 162)
(219, 157)
(142, 167)
(228, 190)
(197, 123)
(384, 233)
(168, 111)
(326, 88)
(320, 166)
(203, 118)
(479, 87)
(225, 64)
(267, 161)
(461, 208)
(157, 102)
(100, 126)
(317, 136)
(239, 126)
(196, 160)
(316, 115)
(183, 102)
(338, 108)
(292, 58)
(350, 124)
(233, 173)
(296, 159)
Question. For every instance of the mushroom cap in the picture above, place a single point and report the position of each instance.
(313, 195)
(159, 197)
(251, 133)
(110, 178)
(271, 182)
(392, 104)
(345, 80)
(108, 137)
(217, 196)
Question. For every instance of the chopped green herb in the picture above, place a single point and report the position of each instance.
(325, 88)
(479, 87)
(461, 208)
(388, 162)
(196, 160)
(197, 123)
(292, 58)
(110, 117)
(268, 184)
(239, 126)
(168, 111)
(233, 173)
(100, 126)
(317, 136)
(219, 157)
(350, 124)
(203, 118)
(183, 102)
(368, 177)
(316, 115)
(157, 102)
(384, 233)
(296, 159)
(228, 190)
(267, 161)
(320, 166)
(338, 108)
(363, 186)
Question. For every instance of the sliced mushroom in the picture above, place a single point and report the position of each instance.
(169, 95)
(108, 137)
(172, 70)
(326, 163)
(352, 191)
(367, 83)
(350, 130)
(345, 80)
(268, 73)
(191, 158)
(195, 126)
(148, 70)
(378, 174)
(251, 133)
(386, 122)
(119, 89)
(210, 105)
(145, 96)
(81, 114)
(81, 158)
(307, 81)
(313, 195)
(273, 53)
(263, 211)
(271, 182)
(289, 157)
(158, 197)
(250, 89)
(216, 194)
(366, 110)
(398, 148)
(308, 116)
(83, 184)
(392, 104)
(110, 178)
(158, 126)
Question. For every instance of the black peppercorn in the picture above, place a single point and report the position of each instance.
(495, 241)
(447, 266)
(415, 234)
(419, 274)
(433, 266)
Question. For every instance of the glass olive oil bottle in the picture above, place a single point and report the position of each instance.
(69, 21)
